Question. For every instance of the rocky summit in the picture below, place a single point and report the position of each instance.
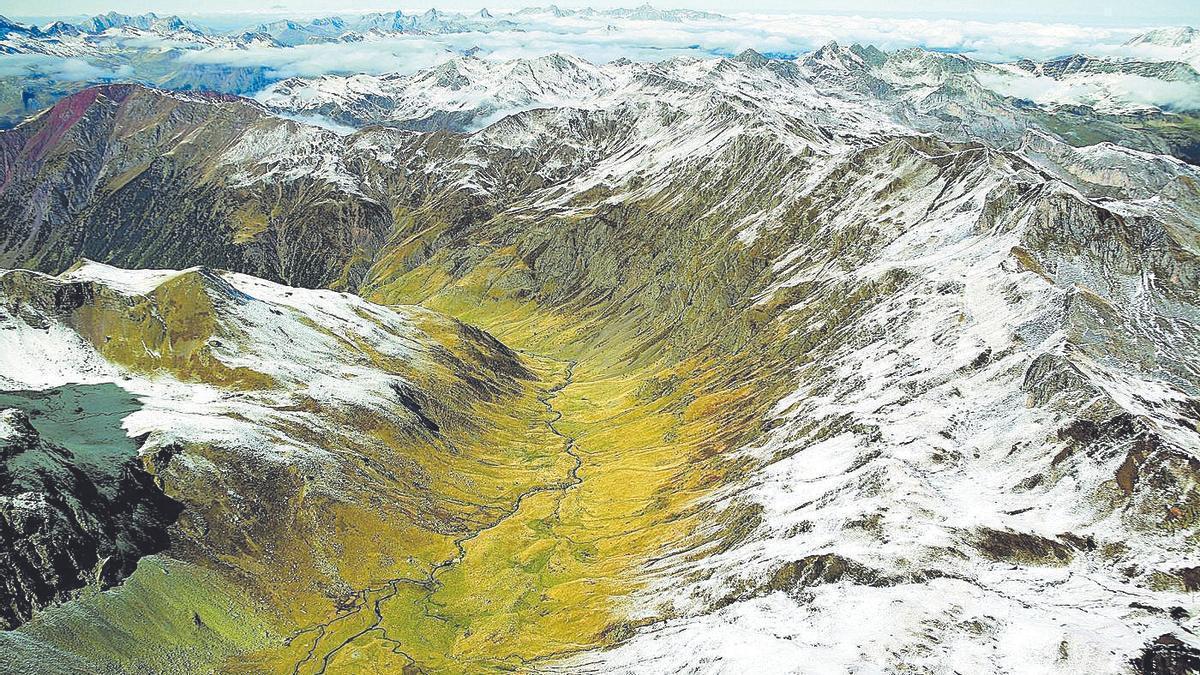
(853, 360)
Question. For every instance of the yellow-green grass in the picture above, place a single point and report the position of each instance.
(652, 434)
(168, 616)
(516, 535)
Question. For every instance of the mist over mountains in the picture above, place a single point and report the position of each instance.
(42, 61)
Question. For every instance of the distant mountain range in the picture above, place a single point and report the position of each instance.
(943, 92)
(290, 32)
(47, 62)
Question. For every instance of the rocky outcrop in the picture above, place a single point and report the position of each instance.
(1168, 655)
(62, 529)
(1022, 548)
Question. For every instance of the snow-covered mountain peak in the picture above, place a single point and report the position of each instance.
(148, 21)
(1178, 36)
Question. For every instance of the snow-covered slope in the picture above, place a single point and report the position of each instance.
(469, 93)
(1179, 43)
(589, 125)
(987, 462)
(954, 483)
(261, 409)
(293, 339)
(470, 89)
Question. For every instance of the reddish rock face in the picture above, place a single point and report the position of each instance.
(59, 121)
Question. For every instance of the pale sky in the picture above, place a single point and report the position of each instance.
(1098, 12)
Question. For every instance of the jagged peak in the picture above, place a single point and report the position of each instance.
(559, 58)
(58, 27)
(751, 57)
(832, 55)
(832, 48)
(869, 53)
(102, 22)
(8, 26)
(335, 21)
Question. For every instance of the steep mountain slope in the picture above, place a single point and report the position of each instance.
(832, 368)
(978, 449)
(924, 305)
(138, 178)
(220, 181)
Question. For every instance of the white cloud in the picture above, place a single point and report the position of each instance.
(1102, 91)
(63, 69)
(319, 121)
(149, 42)
(400, 54)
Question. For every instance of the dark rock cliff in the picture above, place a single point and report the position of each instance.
(62, 529)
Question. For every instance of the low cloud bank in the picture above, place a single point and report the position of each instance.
(374, 58)
(1117, 91)
(58, 68)
(602, 39)
(319, 121)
